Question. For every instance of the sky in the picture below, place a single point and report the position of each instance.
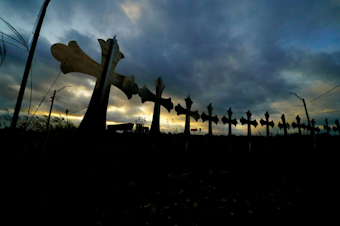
(244, 55)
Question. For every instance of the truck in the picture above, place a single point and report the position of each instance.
(122, 127)
(141, 128)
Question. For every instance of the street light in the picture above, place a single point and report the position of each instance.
(304, 104)
(55, 92)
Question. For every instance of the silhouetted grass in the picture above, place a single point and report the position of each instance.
(131, 179)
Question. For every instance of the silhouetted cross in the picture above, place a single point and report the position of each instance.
(267, 123)
(205, 117)
(337, 127)
(229, 121)
(181, 111)
(298, 125)
(249, 122)
(326, 127)
(146, 95)
(284, 125)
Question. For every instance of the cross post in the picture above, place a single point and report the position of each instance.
(313, 129)
(337, 127)
(249, 122)
(326, 127)
(267, 123)
(205, 117)
(284, 125)
(298, 125)
(146, 95)
(180, 110)
(229, 121)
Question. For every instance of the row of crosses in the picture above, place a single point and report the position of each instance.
(73, 59)
(254, 123)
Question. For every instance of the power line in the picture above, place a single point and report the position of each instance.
(77, 111)
(45, 95)
(315, 113)
(71, 100)
(324, 103)
(323, 94)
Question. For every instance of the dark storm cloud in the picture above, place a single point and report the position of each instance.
(14, 67)
(21, 9)
(317, 65)
(195, 50)
(45, 70)
(239, 54)
(90, 46)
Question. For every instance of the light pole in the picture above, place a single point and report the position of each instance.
(304, 104)
(55, 92)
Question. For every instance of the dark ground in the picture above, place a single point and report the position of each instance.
(125, 181)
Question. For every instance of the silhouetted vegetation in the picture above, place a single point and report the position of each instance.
(37, 123)
(128, 179)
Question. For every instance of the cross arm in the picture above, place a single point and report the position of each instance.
(281, 125)
(180, 110)
(73, 59)
(243, 121)
(204, 117)
(226, 120)
(254, 123)
(125, 83)
(294, 125)
(266, 123)
(195, 115)
(317, 129)
(167, 104)
(146, 95)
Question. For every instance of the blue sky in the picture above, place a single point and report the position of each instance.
(241, 54)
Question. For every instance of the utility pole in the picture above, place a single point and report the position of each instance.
(55, 92)
(28, 66)
(49, 116)
(304, 104)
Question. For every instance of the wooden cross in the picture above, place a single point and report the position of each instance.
(326, 127)
(267, 123)
(304, 127)
(205, 117)
(298, 125)
(284, 125)
(337, 127)
(249, 122)
(229, 120)
(314, 128)
(73, 59)
(146, 95)
(309, 128)
(181, 111)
